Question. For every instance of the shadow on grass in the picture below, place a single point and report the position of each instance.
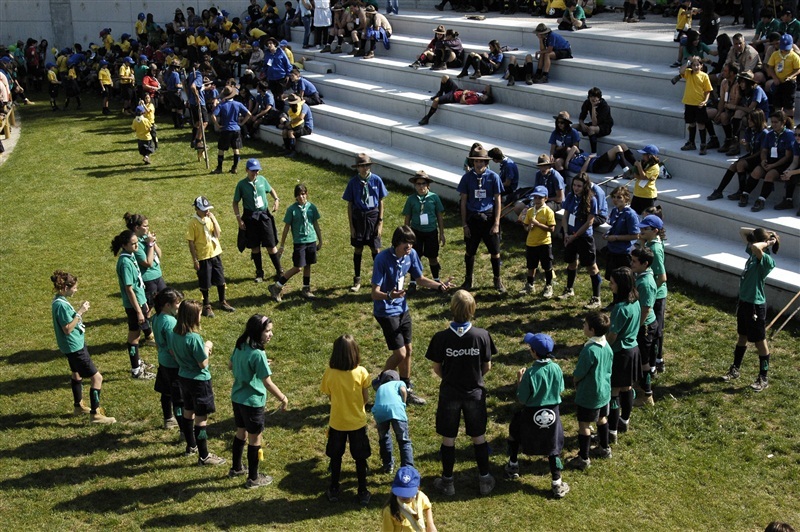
(76, 446)
(33, 356)
(696, 387)
(29, 421)
(35, 384)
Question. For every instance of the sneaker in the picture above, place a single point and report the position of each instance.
(689, 146)
(326, 49)
(725, 146)
(676, 64)
(542, 79)
(511, 81)
(364, 498)
(568, 293)
(784, 205)
(388, 468)
(622, 425)
(260, 481)
(207, 312)
(233, 170)
(660, 367)
(224, 305)
(714, 195)
(170, 423)
(600, 452)
(761, 383)
(102, 419)
(332, 494)
(476, 75)
(560, 489)
(259, 279)
(424, 121)
(415, 65)
(439, 7)
(735, 196)
(211, 459)
(486, 484)
(744, 199)
(612, 436)
(369, 55)
(356, 284)
(703, 149)
(445, 486)
(548, 291)
(216, 171)
(498, 285)
(142, 374)
(713, 143)
(644, 400)
(414, 399)
(276, 292)
(512, 471)
(149, 342)
(237, 472)
(530, 80)
(190, 451)
(593, 303)
(337, 50)
(307, 293)
(758, 205)
(81, 409)
(527, 289)
(580, 463)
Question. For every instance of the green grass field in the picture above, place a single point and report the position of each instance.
(709, 456)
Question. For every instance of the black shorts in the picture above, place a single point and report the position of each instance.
(447, 97)
(194, 113)
(229, 139)
(693, 114)
(591, 415)
(647, 343)
(616, 260)
(660, 308)
(146, 147)
(427, 243)
(751, 321)
(783, 95)
(626, 367)
(359, 443)
(639, 205)
(151, 288)
(601, 165)
(313, 99)
(480, 227)
(126, 91)
(211, 273)
(538, 430)
(448, 416)
(365, 224)
(167, 384)
(396, 330)
(81, 363)
(535, 255)
(250, 418)
(133, 319)
(198, 396)
(260, 230)
(174, 101)
(562, 54)
(751, 161)
(583, 248)
(300, 131)
(304, 255)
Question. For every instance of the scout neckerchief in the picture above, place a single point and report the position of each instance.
(135, 265)
(413, 517)
(365, 188)
(460, 328)
(304, 213)
(208, 233)
(81, 326)
(599, 340)
(257, 201)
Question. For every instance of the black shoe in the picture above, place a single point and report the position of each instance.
(714, 195)
(784, 205)
(439, 7)
(713, 143)
(216, 171)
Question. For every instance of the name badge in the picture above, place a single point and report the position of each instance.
(370, 202)
(559, 143)
(727, 97)
(401, 282)
(269, 63)
(423, 219)
(480, 193)
(571, 220)
(259, 202)
(643, 183)
(779, 67)
(773, 152)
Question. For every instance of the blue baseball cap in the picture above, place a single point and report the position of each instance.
(140, 16)
(650, 149)
(235, 37)
(253, 164)
(125, 36)
(652, 221)
(143, 57)
(103, 62)
(406, 482)
(140, 109)
(49, 65)
(168, 51)
(128, 60)
(786, 42)
(541, 191)
(283, 42)
(542, 344)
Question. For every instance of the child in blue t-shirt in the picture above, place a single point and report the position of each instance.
(390, 412)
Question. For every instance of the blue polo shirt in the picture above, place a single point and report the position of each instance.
(480, 190)
(195, 78)
(265, 100)
(309, 120)
(602, 204)
(355, 194)
(305, 86)
(571, 138)
(556, 41)
(276, 65)
(227, 114)
(509, 172)
(760, 97)
(622, 222)
(387, 272)
(172, 80)
(784, 141)
(553, 181)
(575, 220)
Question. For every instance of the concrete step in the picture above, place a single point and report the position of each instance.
(690, 254)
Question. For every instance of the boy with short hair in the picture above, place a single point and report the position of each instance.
(423, 213)
(641, 259)
(592, 377)
(203, 237)
(537, 426)
(540, 222)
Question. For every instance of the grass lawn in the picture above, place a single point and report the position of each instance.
(710, 455)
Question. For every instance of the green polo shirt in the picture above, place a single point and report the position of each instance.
(593, 375)
(646, 286)
(252, 194)
(541, 385)
(63, 314)
(751, 285)
(153, 272)
(301, 220)
(625, 324)
(423, 211)
(250, 368)
(162, 326)
(128, 274)
(189, 351)
(658, 267)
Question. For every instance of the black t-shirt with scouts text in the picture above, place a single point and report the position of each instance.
(462, 352)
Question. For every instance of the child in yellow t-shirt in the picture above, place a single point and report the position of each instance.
(141, 126)
(695, 99)
(540, 222)
(683, 24)
(407, 507)
(104, 77)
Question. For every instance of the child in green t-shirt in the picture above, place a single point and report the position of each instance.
(537, 426)
(302, 218)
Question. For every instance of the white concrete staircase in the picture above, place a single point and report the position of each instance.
(374, 105)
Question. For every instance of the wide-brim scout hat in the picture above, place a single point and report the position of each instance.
(542, 29)
(293, 99)
(338, 7)
(420, 175)
(274, 41)
(362, 159)
(370, 10)
(479, 154)
(563, 115)
(229, 92)
(439, 30)
(544, 161)
(747, 75)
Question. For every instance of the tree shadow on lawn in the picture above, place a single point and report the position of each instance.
(33, 356)
(34, 384)
(31, 421)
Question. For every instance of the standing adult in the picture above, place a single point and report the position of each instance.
(197, 103)
(389, 304)
(480, 190)
(277, 68)
(364, 196)
(228, 118)
(461, 356)
(257, 221)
